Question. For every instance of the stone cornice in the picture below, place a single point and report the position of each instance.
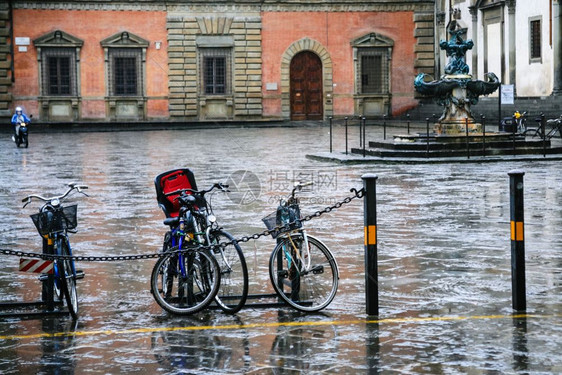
(232, 5)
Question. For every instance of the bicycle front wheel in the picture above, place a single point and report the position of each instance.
(303, 273)
(67, 278)
(233, 290)
(185, 283)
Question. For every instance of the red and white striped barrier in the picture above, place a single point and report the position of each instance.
(36, 265)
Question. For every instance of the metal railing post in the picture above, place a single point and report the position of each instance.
(519, 302)
(331, 134)
(467, 140)
(483, 120)
(427, 137)
(543, 131)
(384, 126)
(346, 135)
(371, 261)
(408, 121)
(364, 134)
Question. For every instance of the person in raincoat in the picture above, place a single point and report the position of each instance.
(17, 119)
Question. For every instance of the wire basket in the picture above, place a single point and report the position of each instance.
(62, 219)
(284, 219)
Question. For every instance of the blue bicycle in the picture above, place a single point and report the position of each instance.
(54, 222)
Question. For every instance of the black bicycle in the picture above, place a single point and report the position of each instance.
(54, 222)
(196, 226)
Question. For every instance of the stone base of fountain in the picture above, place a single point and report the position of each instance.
(456, 127)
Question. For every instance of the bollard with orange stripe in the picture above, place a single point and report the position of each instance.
(371, 266)
(519, 299)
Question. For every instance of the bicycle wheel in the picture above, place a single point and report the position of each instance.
(67, 278)
(233, 289)
(185, 283)
(306, 277)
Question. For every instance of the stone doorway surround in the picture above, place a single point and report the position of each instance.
(306, 44)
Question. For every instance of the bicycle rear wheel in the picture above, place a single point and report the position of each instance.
(185, 283)
(233, 290)
(306, 277)
(67, 278)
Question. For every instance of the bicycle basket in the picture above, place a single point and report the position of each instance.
(284, 219)
(48, 222)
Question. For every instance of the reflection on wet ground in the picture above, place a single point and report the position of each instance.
(444, 252)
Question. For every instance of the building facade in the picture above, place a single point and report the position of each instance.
(188, 60)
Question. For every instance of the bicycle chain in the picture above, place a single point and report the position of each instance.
(117, 258)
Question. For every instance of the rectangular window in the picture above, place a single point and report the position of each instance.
(371, 74)
(535, 29)
(125, 71)
(215, 75)
(59, 75)
(215, 65)
(125, 76)
(58, 71)
(373, 69)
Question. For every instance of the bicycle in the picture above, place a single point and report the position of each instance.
(302, 270)
(54, 222)
(196, 226)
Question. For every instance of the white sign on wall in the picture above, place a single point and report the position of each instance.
(507, 93)
(22, 41)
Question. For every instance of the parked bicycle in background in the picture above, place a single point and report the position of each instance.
(303, 271)
(53, 222)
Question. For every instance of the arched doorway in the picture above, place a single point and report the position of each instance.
(306, 87)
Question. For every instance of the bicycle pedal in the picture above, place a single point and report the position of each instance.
(43, 277)
(80, 274)
(318, 269)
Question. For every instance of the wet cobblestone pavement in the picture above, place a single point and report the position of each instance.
(444, 260)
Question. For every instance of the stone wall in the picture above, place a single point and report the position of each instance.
(5, 61)
(185, 32)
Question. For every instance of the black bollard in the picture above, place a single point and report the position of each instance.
(370, 221)
(346, 135)
(384, 126)
(330, 134)
(517, 240)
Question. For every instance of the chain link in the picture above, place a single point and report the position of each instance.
(118, 258)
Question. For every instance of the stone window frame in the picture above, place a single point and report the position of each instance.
(372, 43)
(535, 59)
(125, 44)
(216, 52)
(60, 43)
(215, 45)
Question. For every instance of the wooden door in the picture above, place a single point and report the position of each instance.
(306, 87)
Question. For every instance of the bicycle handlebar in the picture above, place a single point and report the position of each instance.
(299, 186)
(218, 185)
(72, 186)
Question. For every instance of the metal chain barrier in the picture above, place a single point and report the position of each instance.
(117, 258)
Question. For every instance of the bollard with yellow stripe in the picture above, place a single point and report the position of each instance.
(519, 299)
(371, 266)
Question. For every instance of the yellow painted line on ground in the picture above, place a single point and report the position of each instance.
(276, 324)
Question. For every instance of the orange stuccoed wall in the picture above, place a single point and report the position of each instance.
(92, 27)
(335, 31)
